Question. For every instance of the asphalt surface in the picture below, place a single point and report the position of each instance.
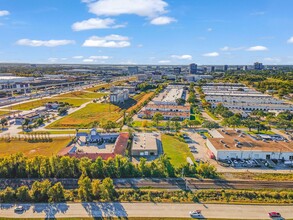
(79, 210)
(167, 183)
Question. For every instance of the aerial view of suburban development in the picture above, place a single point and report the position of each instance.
(146, 109)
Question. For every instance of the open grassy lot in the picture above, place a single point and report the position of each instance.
(33, 149)
(41, 102)
(85, 117)
(83, 95)
(175, 149)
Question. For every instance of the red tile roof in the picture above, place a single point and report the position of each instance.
(121, 144)
(119, 149)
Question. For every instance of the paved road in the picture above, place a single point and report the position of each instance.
(79, 210)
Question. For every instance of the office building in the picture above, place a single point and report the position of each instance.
(193, 68)
(133, 70)
(258, 66)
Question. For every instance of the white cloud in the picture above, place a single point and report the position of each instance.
(226, 48)
(112, 41)
(272, 60)
(209, 29)
(257, 48)
(164, 61)
(53, 59)
(140, 45)
(290, 40)
(99, 57)
(212, 54)
(41, 43)
(182, 57)
(4, 13)
(144, 8)
(77, 57)
(162, 20)
(96, 23)
(88, 60)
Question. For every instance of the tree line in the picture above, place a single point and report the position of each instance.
(19, 166)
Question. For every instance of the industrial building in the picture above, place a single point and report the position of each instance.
(146, 144)
(233, 145)
(238, 96)
(119, 96)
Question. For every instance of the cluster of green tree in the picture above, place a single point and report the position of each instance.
(192, 97)
(39, 192)
(19, 166)
(210, 124)
(88, 190)
(258, 120)
(3, 122)
(146, 86)
(28, 124)
(280, 82)
(37, 137)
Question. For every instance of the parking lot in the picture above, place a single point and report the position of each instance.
(196, 141)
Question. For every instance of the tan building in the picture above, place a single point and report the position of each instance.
(146, 144)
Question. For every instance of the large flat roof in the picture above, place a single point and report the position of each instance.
(248, 143)
(145, 141)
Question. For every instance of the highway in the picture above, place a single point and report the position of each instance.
(127, 210)
(166, 183)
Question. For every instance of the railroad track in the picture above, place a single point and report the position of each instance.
(168, 184)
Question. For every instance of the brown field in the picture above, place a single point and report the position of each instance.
(33, 149)
(140, 98)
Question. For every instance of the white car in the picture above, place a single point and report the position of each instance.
(19, 209)
(195, 214)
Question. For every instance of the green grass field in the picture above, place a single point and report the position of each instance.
(86, 116)
(83, 95)
(33, 149)
(175, 149)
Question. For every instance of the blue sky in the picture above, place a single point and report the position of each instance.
(146, 31)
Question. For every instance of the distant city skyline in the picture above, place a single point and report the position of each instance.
(155, 32)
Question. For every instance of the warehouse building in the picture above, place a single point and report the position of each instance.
(233, 145)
